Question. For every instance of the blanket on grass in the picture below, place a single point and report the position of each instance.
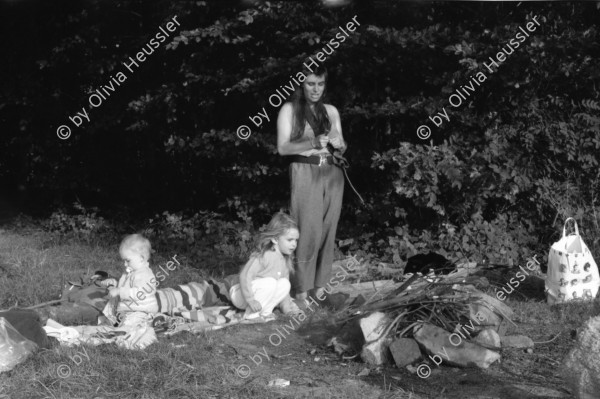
(142, 333)
(192, 296)
(84, 304)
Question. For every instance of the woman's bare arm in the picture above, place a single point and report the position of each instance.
(284, 134)
(337, 124)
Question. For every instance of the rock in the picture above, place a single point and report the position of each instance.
(452, 348)
(363, 373)
(488, 338)
(504, 327)
(374, 325)
(376, 353)
(405, 351)
(493, 303)
(377, 347)
(483, 317)
(411, 369)
(582, 363)
(487, 311)
(516, 341)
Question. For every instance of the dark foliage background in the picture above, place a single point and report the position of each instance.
(496, 182)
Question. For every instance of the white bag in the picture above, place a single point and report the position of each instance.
(14, 348)
(572, 272)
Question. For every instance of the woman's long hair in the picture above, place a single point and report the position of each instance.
(300, 106)
(278, 226)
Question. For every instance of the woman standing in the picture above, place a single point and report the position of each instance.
(309, 132)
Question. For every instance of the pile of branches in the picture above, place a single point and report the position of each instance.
(439, 300)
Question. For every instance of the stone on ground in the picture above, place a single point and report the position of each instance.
(483, 317)
(377, 346)
(582, 363)
(488, 338)
(516, 341)
(504, 328)
(405, 351)
(457, 351)
(487, 311)
(374, 325)
(376, 353)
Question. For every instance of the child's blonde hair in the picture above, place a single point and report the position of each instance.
(136, 243)
(280, 224)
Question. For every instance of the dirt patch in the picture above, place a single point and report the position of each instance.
(257, 354)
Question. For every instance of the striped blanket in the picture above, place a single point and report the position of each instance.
(183, 298)
(193, 296)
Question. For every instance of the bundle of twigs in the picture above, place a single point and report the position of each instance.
(419, 299)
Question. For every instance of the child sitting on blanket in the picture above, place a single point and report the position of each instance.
(264, 280)
(132, 299)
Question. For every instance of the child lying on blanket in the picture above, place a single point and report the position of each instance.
(132, 301)
(264, 280)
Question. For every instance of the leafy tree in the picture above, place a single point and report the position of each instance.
(515, 158)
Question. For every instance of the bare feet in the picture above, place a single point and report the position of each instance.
(319, 292)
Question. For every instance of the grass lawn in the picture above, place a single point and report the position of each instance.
(34, 266)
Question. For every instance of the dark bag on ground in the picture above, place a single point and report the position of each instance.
(28, 324)
(423, 263)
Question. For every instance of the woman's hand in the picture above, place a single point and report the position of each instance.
(113, 292)
(337, 143)
(322, 141)
(254, 305)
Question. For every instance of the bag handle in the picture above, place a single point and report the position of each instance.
(565, 227)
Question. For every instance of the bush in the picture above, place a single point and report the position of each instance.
(80, 223)
(203, 229)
